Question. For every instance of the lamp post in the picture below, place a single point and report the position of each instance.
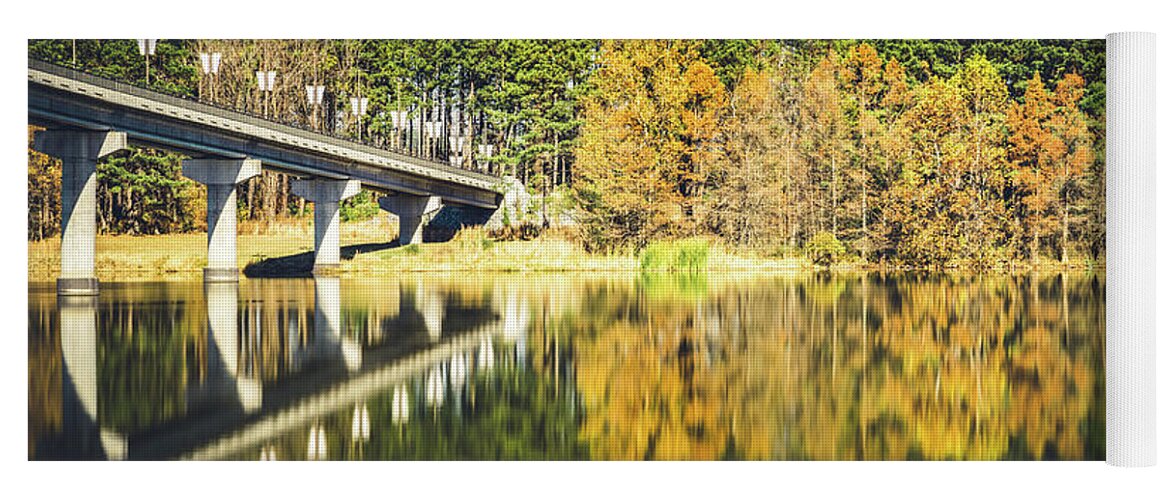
(358, 108)
(316, 96)
(146, 48)
(398, 120)
(483, 152)
(433, 130)
(210, 63)
(266, 82)
(456, 144)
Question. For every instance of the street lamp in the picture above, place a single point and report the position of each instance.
(483, 152)
(398, 120)
(146, 48)
(432, 130)
(358, 108)
(210, 63)
(316, 96)
(266, 82)
(456, 144)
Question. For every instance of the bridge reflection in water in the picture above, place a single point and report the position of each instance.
(560, 367)
(205, 377)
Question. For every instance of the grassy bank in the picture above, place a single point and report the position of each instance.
(367, 249)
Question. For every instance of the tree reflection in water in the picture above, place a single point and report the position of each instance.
(810, 367)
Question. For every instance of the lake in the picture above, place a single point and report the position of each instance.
(570, 366)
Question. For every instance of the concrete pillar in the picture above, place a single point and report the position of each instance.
(79, 152)
(221, 178)
(326, 195)
(410, 210)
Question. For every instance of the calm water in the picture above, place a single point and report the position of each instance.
(804, 367)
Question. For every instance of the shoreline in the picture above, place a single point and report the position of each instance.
(289, 254)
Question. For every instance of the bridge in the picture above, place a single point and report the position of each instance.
(88, 117)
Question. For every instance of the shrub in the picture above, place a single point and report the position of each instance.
(362, 206)
(688, 255)
(824, 249)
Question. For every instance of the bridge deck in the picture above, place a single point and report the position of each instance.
(64, 96)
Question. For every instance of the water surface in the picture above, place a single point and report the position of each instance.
(561, 366)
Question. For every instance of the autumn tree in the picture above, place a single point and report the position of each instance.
(826, 129)
(893, 145)
(980, 205)
(863, 79)
(748, 200)
(44, 192)
(1034, 153)
(1073, 154)
(647, 145)
(918, 206)
(947, 202)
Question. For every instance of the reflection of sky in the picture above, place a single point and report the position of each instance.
(558, 368)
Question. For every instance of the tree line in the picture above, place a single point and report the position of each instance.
(843, 144)
(920, 152)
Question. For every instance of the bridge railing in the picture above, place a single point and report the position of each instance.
(295, 128)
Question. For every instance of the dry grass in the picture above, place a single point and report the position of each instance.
(472, 250)
(183, 256)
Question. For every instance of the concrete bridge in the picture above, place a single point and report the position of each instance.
(88, 118)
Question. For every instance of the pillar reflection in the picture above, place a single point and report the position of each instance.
(79, 350)
(328, 322)
(485, 357)
(429, 303)
(436, 387)
(514, 315)
(224, 345)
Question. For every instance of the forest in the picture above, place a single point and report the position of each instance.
(919, 153)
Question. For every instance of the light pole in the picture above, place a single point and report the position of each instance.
(316, 96)
(433, 130)
(210, 63)
(398, 120)
(358, 108)
(266, 82)
(146, 48)
(456, 145)
(483, 152)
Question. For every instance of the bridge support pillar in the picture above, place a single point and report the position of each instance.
(221, 178)
(410, 210)
(79, 152)
(326, 195)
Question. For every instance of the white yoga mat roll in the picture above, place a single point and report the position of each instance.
(1130, 249)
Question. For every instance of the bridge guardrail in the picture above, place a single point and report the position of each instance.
(295, 129)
